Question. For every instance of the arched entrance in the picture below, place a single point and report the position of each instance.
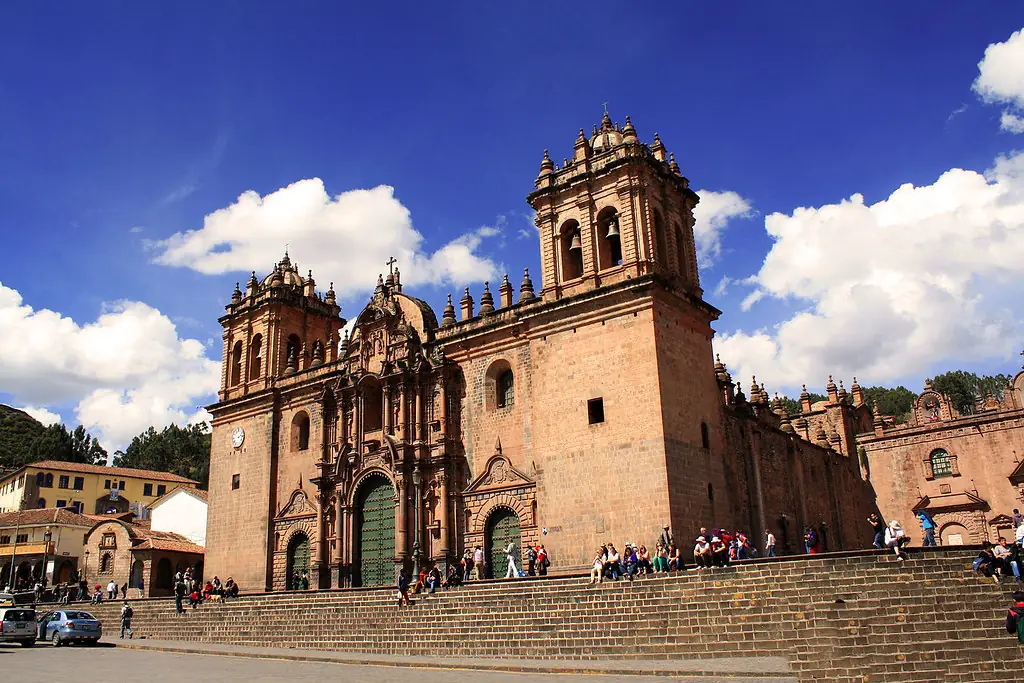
(375, 537)
(298, 562)
(502, 528)
(164, 575)
(136, 578)
(955, 534)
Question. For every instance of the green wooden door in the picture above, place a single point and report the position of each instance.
(298, 562)
(502, 527)
(376, 537)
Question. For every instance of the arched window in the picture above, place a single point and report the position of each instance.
(48, 482)
(681, 251)
(506, 389)
(659, 238)
(609, 249)
(255, 360)
(373, 407)
(705, 441)
(571, 249)
(300, 431)
(40, 478)
(236, 363)
(942, 463)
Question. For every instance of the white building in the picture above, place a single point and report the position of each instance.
(182, 511)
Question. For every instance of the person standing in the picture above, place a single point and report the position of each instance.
(179, 595)
(126, 620)
(531, 561)
(769, 543)
(1015, 617)
(478, 563)
(542, 560)
(112, 590)
(510, 553)
(666, 537)
(928, 524)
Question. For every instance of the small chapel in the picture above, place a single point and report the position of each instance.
(585, 408)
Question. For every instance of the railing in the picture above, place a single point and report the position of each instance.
(27, 549)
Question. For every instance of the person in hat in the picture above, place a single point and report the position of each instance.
(1015, 616)
(666, 537)
(895, 538)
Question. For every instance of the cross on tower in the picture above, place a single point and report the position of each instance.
(605, 107)
(391, 264)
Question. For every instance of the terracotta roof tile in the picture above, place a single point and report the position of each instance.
(83, 468)
(54, 516)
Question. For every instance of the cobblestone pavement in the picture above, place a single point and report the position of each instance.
(122, 664)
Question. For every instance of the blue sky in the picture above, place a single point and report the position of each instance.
(124, 124)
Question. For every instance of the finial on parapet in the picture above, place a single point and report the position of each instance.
(486, 300)
(526, 292)
(448, 318)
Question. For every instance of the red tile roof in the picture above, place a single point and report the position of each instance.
(59, 466)
(164, 540)
(54, 516)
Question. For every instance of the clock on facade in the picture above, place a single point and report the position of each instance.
(237, 437)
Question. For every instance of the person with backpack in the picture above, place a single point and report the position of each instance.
(928, 525)
(126, 620)
(1015, 616)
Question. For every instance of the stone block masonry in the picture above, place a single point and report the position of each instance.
(845, 618)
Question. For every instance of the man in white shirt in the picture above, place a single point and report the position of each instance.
(769, 543)
(510, 553)
(112, 590)
(478, 562)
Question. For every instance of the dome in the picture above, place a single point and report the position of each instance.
(606, 136)
(284, 273)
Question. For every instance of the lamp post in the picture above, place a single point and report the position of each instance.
(47, 537)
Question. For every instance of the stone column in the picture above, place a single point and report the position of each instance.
(442, 478)
(444, 408)
(401, 524)
(418, 410)
(319, 567)
(386, 393)
(403, 417)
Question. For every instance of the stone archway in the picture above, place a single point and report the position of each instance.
(164, 575)
(954, 533)
(297, 564)
(375, 532)
(503, 527)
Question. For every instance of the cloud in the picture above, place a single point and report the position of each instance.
(712, 215)
(890, 290)
(136, 229)
(123, 372)
(43, 415)
(347, 237)
(1001, 79)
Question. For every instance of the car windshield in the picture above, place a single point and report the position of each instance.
(19, 615)
(79, 615)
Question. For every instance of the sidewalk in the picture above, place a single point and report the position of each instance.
(761, 668)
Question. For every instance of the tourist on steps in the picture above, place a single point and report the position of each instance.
(403, 587)
(928, 525)
(675, 560)
(895, 538)
(702, 553)
(510, 552)
(660, 558)
(531, 561)
(878, 526)
(478, 563)
(126, 620)
(666, 537)
(543, 560)
(597, 569)
(769, 543)
(1015, 616)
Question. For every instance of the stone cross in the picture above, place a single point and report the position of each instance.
(391, 264)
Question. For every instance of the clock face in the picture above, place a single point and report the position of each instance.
(237, 437)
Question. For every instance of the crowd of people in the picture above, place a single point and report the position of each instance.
(1003, 559)
(187, 587)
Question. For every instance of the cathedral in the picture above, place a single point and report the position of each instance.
(587, 410)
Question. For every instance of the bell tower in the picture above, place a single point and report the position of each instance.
(618, 209)
(278, 327)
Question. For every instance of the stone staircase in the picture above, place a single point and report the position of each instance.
(842, 617)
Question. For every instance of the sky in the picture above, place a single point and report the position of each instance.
(860, 168)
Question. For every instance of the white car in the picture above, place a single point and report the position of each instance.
(18, 624)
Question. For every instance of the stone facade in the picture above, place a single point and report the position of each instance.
(589, 411)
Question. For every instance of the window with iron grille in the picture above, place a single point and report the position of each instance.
(942, 463)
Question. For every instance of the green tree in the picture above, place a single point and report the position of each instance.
(792, 405)
(963, 388)
(897, 401)
(18, 430)
(184, 451)
(56, 443)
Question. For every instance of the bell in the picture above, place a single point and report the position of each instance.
(576, 243)
(613, 228)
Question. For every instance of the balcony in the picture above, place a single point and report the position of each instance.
(27, 549)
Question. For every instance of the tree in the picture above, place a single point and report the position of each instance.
(964, 388)
(56, 443)
(184, 451)
(18, 430)
(792, 405)
(898, 401)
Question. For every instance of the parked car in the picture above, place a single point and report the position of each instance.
(18, 625)
(69, 626)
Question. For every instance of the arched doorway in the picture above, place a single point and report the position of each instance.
(375, 539)
(502, 528)
(955, 534)
(298, 562)
(136, 578)
(164, 575)
(67, 570)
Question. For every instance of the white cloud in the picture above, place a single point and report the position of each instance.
(43, 415)
(889, 290)
(712, 215)
(125, 371)
(1001, 79)
(347, 238)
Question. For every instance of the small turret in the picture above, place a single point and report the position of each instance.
(448, 318)
(842, 392)
(250, 289)
(318, 355)
(505, 292)
(331, 297)
(858, 394)
(547, 167)
(344, 345)
(467, 305)
(755, 391)
(673, 166)
(833, 394)
(805, 400)
(658, 148)
(526, 287)
(876, 420)
(486, 300)
(292, 363)
(629, 133)
(236, 296)
(581, 148)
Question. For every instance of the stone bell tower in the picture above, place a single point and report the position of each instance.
(619, 209)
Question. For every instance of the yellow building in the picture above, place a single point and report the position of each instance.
(34, 541)
(89, 489)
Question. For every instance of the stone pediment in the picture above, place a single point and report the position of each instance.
(951, 501)
(498, 474)
(298, 505)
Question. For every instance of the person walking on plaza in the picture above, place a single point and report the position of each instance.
(510, 553)
(769, 543)
(478, 563)
(126, 620)
(928, 525)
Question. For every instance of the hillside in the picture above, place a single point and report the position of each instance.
(18, 430)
